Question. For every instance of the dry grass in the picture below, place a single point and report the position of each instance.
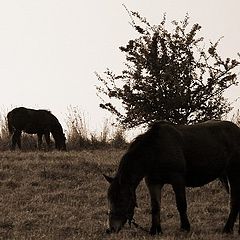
(57, 195)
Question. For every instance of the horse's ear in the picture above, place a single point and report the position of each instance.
(109, 179)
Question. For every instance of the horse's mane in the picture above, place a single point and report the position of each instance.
(45, 110)
(150, 134)
(144, 148)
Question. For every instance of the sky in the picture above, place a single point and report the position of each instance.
(50, 49)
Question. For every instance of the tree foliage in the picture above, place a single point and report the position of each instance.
(168, 75)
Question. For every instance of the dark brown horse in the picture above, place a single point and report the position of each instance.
(183, 156)
(40, 122)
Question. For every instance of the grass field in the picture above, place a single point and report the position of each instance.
(56, 195)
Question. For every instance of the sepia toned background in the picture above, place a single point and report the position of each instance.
(49, 50)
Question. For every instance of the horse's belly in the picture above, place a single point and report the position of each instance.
(198, 179)
(204, 169)
(30, 130)
(33, 129)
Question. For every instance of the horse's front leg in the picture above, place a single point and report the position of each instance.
(47, 138)
(155, 194)
(178, 184)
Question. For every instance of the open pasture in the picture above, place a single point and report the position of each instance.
(62, 195)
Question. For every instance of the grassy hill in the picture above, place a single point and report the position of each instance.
(56, 195)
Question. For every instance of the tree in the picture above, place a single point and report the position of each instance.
(169, 75)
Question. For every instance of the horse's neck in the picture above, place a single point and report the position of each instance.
(56, 131)
(130, 172)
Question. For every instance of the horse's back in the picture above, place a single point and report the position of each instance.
(211, 135)
(201, 152)
(17, 117)
(211, 149)
(30, 120)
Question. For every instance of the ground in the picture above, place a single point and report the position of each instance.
(62, 195)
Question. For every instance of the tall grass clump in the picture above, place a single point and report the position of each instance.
(79, 136)
(118, 139)
(100, 139)
(4, 133)
(77, 130)
(236, 118)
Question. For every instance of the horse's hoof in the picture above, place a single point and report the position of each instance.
(185, 229)
(228, 231)
(185, 226)
(155, 230)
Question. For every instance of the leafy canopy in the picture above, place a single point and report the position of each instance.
(168, 75)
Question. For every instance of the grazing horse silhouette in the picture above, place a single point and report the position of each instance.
(183, 156)
(40, 122)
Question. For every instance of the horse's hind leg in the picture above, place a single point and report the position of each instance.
(39, 135)
(16, 140)
(224, 181)
(235, 203)
(178, 185)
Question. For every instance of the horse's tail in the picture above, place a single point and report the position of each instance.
(9, 123)
(224, 181)
(239, 221)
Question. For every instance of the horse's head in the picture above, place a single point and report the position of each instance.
(60, 142)
(122, 201)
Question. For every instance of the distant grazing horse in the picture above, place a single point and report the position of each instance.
(40, 122)
(183, 156)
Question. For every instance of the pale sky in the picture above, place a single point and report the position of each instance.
(50, 49)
